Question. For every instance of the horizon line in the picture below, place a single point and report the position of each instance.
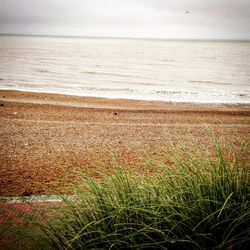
(129, 38)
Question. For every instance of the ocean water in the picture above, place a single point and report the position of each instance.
(172, 71)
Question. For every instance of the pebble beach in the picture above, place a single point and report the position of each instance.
(48, 139)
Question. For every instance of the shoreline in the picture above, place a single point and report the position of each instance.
(46, 140)
(95, 101)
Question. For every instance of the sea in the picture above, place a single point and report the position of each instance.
(163, 70)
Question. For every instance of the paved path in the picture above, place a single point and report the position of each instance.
(17, 212)
(16, 208)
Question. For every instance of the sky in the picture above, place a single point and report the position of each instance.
(173, 19)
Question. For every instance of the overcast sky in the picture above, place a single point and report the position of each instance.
(212, 19)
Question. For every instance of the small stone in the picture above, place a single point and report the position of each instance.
(1, 104)
(14, 113)
(27, 193)
(115, 113)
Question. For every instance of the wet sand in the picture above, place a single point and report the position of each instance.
(47, 139)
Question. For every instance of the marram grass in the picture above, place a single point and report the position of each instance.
(201, 201)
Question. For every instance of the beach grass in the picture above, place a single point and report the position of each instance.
(198, 201)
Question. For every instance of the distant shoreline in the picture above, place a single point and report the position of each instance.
(120, 100)
(61, 93)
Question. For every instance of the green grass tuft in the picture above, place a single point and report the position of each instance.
(201, 201)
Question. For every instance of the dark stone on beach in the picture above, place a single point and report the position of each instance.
(1, 104)
(115, 113)
(27, 193)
